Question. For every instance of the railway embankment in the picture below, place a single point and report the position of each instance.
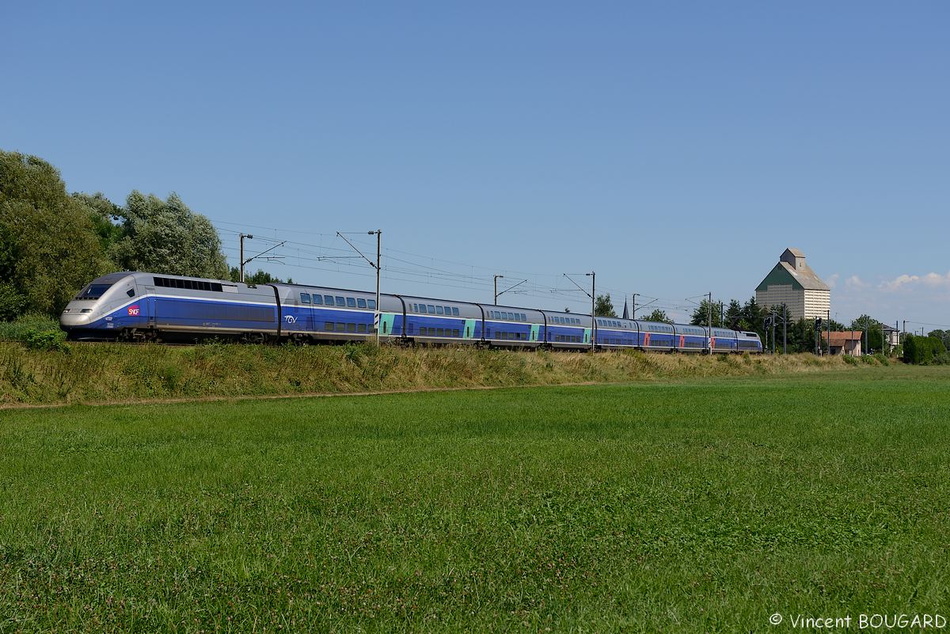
(117, 373)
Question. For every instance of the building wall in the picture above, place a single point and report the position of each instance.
(801, 303)
(779, 294)
(817, 304)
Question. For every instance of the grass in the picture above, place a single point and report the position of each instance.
(99, 373)
(707, 504)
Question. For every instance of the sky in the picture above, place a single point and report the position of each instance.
(674, 149)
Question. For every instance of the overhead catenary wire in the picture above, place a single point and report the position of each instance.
(413, 268)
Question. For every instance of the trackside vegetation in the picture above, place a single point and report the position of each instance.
(43, 369)
(705, 504)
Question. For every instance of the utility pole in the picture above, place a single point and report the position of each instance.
(593, 304)
(497, 277)
(784, 329)
(633, 313)
(241, 237)
(376, 317)
(376, 265)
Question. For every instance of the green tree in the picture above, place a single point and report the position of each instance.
(734, 316)
(658, 315)
(167, 237)
(942, 335)
(48, 245)
(603, 307)
(702, 313)
(875, 333)
(753, 317)
(104, 215)
(259, 277)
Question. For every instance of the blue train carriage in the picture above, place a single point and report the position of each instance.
(658, 336)
(150, 307)
(723, 340)
(429, 321)
(512, 327)
(690, 338)
(317, 313)
(613, 333)
(749, 342)
(566, 331)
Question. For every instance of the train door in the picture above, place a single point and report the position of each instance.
(385, 325)
(535, 332)
(470, 328)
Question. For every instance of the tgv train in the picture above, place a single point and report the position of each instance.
(153, 307)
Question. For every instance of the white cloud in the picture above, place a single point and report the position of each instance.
(930, 280)
(855, 282)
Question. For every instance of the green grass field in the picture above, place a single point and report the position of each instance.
(696, 505)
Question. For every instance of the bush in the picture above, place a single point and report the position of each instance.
(923, 350)
(36, 332)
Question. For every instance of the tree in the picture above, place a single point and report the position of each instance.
(923, 350)
(875, 336)
(942, 335)
(702, 313)
(167, 237)
(658, 315)
(104, 215)
(603, 307)
(260, 277)
(734, 315)
(48, 246)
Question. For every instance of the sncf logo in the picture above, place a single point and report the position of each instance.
(134, 311)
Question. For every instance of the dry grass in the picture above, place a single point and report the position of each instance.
(96, 373)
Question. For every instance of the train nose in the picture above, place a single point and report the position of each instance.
(73, 317)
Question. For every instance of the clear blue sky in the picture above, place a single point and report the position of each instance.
(675, 148)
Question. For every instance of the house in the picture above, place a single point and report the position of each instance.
(892, 337)
(793, 283)
(847, 342)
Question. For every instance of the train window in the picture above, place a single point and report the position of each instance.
(328, 326)
(130, 292)
(430, 308)
(317, 300)
(328, 300)
(448, 310)
(455, 312)
(305, 298)
(351, 327)
(340, 327)
(340, 301)
(94, 291)
(193, 285)
(361, 303)
(371, 304)
(361, 328)
(351, 302)
(438, 310)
